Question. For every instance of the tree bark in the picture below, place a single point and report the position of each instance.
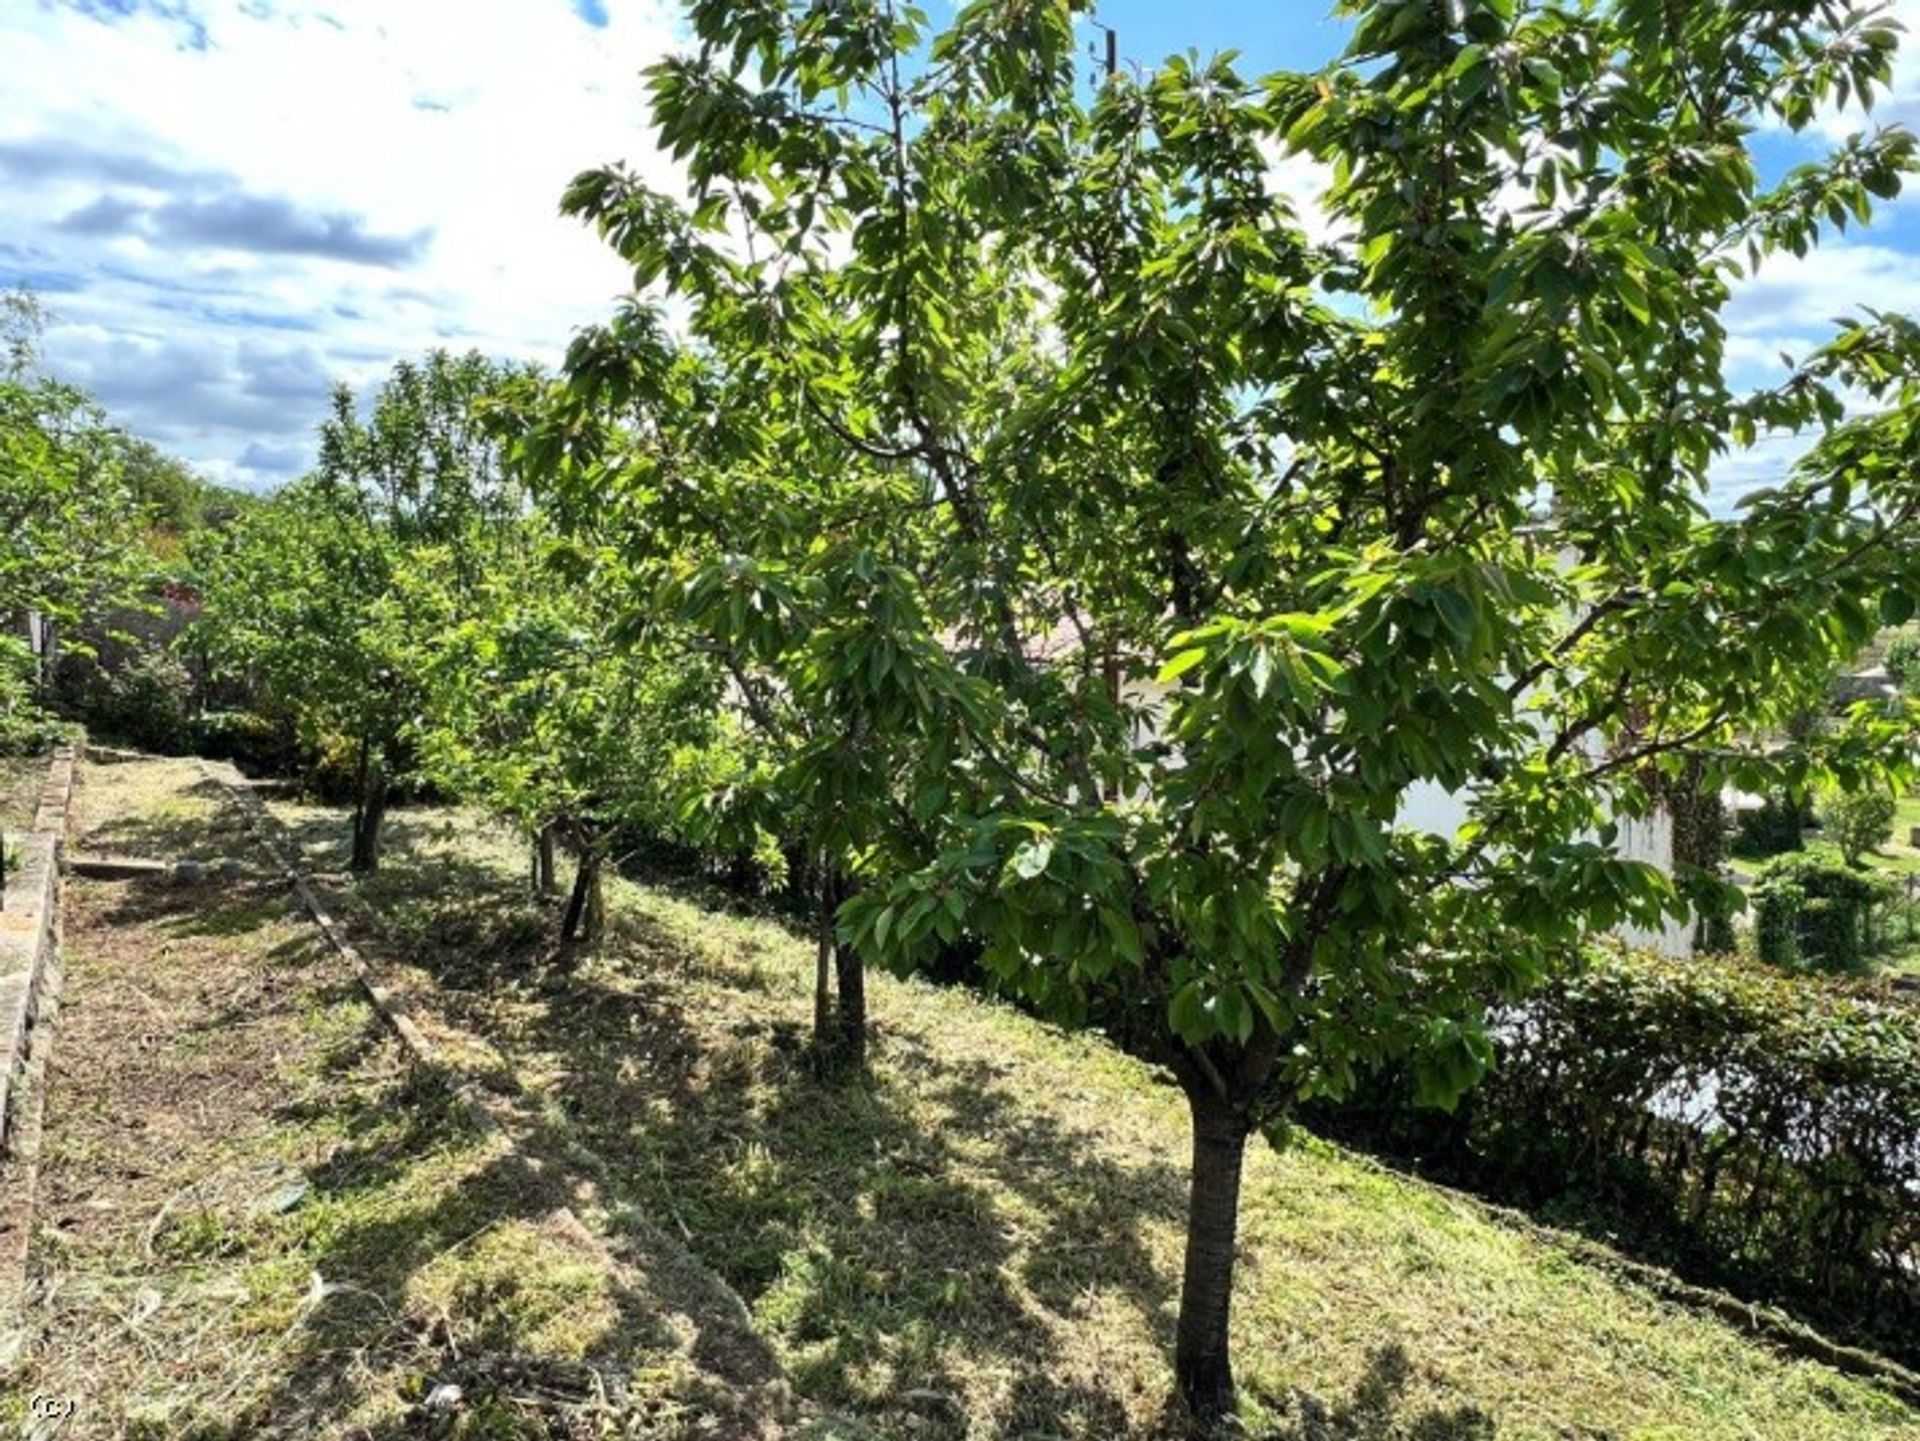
(543, 882)
(823, 960)
(370, 814)
(580, 903)
(360, 771)
(1202, 1362)
(595, 924)
(852, 977)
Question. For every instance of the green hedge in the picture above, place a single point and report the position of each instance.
(1776, 827)
(1760, 1131)
(1816, 913)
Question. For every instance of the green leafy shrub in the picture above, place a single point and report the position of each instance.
(149, 704)
(254, 742)
(1761, 1131)
(1857, 821)
(1814, 913)
(25, 728)
(1903, 661)
(1771, 829)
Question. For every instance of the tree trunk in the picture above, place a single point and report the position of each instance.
(370, 814)
(360, 772)
(1202, 1364)
(585, 879)
(852, 977)
(823, 961)
(543, 882)
(594, 925)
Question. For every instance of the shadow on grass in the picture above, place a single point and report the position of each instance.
(910, 1246)
(212, 908)
(445, 1263)
(1377, 1410)
(205, 829)
(931, 1251)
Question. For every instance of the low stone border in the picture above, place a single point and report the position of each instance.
(27, 930)
(392, 1010)
(29, 1002)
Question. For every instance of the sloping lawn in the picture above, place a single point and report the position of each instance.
(1900, 857)
(258, 1219)
(983, 1240)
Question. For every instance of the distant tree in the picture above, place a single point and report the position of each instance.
(1903, 661)
(298, 602)
(23, 316)
(527, 710)
(302, 594)
(1143, 552)
(722, 513)
(425, 457)
(1857, 821)
(69, 547)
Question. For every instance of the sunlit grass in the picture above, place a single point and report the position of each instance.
(983, 1239)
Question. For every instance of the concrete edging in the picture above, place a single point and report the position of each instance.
(266, 831)
(28, 929)
(29, 1003)
(646, 1245)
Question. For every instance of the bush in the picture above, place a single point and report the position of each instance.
(253, 742)
(148, 703)
(1760, 1131)
(1811, 912)
(1857, 821)
(25, 729)
(1903, 661)
(1770, 830)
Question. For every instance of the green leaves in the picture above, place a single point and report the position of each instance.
(1227, 630)
(1030, 858)
(1452, 1055)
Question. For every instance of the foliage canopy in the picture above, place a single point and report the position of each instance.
(1152, 547)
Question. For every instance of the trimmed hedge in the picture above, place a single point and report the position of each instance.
(1815, 913)
(1761, 1132)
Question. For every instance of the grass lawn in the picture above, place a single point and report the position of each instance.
(256, 1219)
(1901, 857)
(983, 1240)
(20, 780)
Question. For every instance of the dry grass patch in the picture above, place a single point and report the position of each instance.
(983, 1239)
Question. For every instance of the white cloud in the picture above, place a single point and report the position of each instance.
(1787, 311)
(1302, 182)
(228, 202)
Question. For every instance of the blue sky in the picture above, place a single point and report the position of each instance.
(231, 203)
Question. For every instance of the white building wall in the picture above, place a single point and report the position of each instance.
(1430, 807)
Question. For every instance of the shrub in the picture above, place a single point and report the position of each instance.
(1771, 829)
(1759, 1130)
(1812, 912)
(25, 728)
(148, 703)
(1857, 821)
(255, 743)
(1903, 661)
